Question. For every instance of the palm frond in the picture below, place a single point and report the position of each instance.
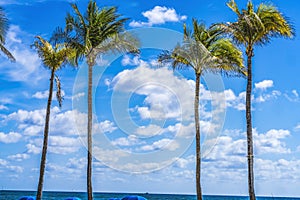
(7, 53)
(276, 24)
(3, 30)
(233, 6)
(59, 95)
(119, 43)
(3, 25)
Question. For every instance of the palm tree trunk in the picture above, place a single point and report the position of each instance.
(198, 149)
(89, 134)
(45, 143)
(249, 126)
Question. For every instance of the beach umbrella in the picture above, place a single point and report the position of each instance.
(27, 198)
(133, 198)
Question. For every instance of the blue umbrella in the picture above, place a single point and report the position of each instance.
(27, 198)
(133, 198)
(72, 198)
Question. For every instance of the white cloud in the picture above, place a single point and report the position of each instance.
(3, 107)
(31, 148)
(228, 148)
(19, 157)
(56, 144)
(77, 96)
(11, 137)
(107, 82)
(297, 127)
(15, 169)
(127, 60)
(166, 96)
(30, 117)
(64, 145)
(66, 129)
(105, 127)
(295, 93)
(265, 97)
(108, 156)
(270, 142)
(3, 162)
(76, 163)
(263, 85)
(184, 162)
(186, 131)
(131, 140)
(165, 143)
(70, 122)
(149, 131)
(292, 96)
(41, 95)
(159, 15)
(27, 67)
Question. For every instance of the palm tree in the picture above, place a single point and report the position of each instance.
(254, 28)
(53, 58)
(3, 30)
(204, 51)
(96, 32)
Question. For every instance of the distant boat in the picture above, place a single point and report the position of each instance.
(27, 198)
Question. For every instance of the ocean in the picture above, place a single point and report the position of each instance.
(15, 195)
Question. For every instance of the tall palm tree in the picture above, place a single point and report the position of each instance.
(204, 51)
(3, 31)
(96, 32)
(255, 27)
(53, 57)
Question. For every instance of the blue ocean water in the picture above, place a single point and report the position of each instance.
(15, 195)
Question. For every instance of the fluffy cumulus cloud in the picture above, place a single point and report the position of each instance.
(271, 141)
(41, 94)
(70, 122)
(56, 144)
(260, 95)
(168, 144)
(167, 96)
(19, 157)
(131, 140)
(228, 161)
(11, 137)
(67, 128)
(159, 15)
(263, 85)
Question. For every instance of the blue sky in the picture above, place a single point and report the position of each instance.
(143, 128)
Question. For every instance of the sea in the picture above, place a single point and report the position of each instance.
(15, 195)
